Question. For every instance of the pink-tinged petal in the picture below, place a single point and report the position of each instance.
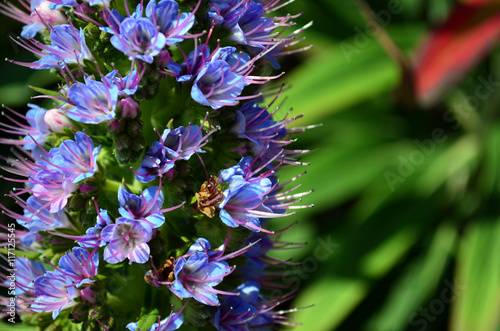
(140, 254)
(116, 252)
(127, 239)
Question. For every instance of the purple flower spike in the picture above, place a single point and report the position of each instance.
(126, 239)
(78, 265)
(145, 208)
(253, 29)
(93, 237)
(76, 159)
(268, 138)
(63, 3)
(217, 85)
(226, 12)
(26, 272)
(126, 85)
(53, 294)
(251, 196)
(97, 2)
(40, 14)
(247, 310)
(68, 46)
(49, 186)
(259, 260)
(236, 60)
(199, 270)
(154, 163)
(36, 218)
(196, 276)
(257, 125)
(113, 19)
(169, 22)
(53, 188)
(220, 82)
(193, 63)
(180, 143)
(94, 102)
(243, 203)
(138, 39)
(36, 132)
(183, 142)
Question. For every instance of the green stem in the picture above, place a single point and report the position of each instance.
(137, 186)
(111, 185)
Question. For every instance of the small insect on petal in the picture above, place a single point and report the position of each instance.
(164, 273)
(210, 194)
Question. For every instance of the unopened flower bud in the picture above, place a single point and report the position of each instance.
(164, 58)
(43, 14)
(88, 295)
(86, 188)
(57, 121)
(134, 128)
(130, 108)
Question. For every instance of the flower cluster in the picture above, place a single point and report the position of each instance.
(42, 290)
(158, 144)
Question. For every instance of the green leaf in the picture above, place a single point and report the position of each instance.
(478, 270)
(478, 275)
(339, 76)
(147, 319)
(463, 152)
(365, 255)
(333, 299)
(115, 266)
(417, 283)
(44, 91)
(343, 174)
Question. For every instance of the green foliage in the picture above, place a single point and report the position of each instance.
(401, 237)
(147, 319)
(400, 246)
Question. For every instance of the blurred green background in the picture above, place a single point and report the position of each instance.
(405, 232)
